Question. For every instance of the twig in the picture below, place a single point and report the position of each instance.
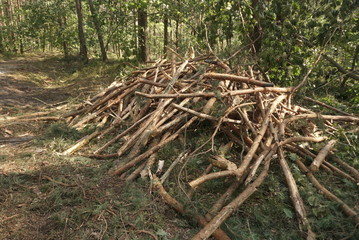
(346, 209)
(327, 106)
(318, 160)
(232, 206)
(221, 76)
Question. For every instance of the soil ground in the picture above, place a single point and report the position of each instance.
(17, 92)
(44, 195)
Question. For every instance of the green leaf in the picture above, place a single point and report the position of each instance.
(288, 212)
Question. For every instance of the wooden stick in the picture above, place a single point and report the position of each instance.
(345, 165)
(203, 115)
(168, 125)
(147, 127)
(328, 106)
(179, 159)
(191, 191)
(27, 116)
(121, 134)
(212, 94)
(301, 139)
(157, 185)
(135, 173)
(80, 124)
(154, 149)
(304, 153)
(247, 159)
(256, 164)
(221, 76)
(149, 164)
(169, 114)
(295, 196)
(297, 200)
(346, 209)
(316, 115)
(338, 171)
(195, 183)
(157, 84)
(100, 101)
(176, 76)
(326, 166)
(232, 206)
(318, 160)
(82, 142)
(222, 200)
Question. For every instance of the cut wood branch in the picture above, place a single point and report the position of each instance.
(221, 76)
(247, 159)
(157, 185)
(346, 209)
(318, 160)
(203, 115)
(82, 142)
(345, 165)
(341, 68)
(231, 207)
(327, 106)
(301, 139)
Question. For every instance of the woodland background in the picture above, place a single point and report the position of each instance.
(282, 37)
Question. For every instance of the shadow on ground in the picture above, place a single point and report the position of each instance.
(79, 200)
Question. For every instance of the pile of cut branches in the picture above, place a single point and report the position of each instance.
(158, 104)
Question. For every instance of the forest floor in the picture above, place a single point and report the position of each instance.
(44, 195)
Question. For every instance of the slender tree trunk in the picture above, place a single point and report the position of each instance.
(98, 30)
(142, 33)
(165, 33)
(43, 40)
(177, 33)
(19, 19)
(256, 35)
(354, 61)
(1, 44)
(7, 9)
(2, 50)
(83, 47)
(62, 24)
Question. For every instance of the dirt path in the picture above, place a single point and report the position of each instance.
(19, 90)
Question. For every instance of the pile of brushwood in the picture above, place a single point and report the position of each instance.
(158, 104)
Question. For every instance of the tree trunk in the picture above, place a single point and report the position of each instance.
(83, 47)
(256, 35)
(98, 30)
(9, 23)
(355, 57)
(177, 33)
(19, 19)
(165, 33)
(62, 23)
(142, 33)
